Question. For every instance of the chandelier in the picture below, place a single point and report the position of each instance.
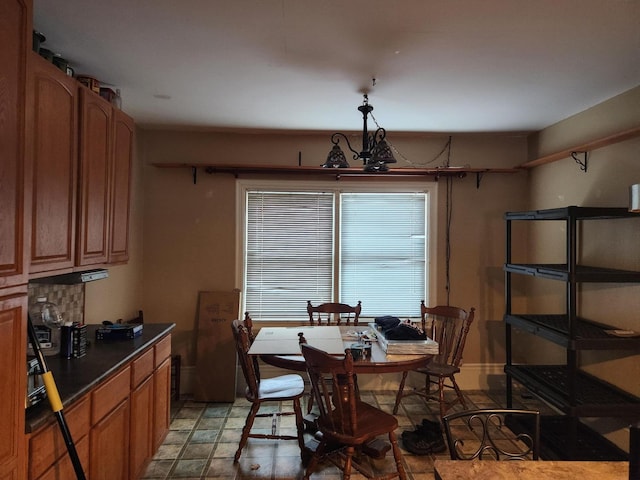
(375, 153)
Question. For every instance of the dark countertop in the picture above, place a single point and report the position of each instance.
(75, 377)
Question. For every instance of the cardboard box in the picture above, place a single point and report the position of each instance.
(215, 378)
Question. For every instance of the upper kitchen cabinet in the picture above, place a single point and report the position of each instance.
(123, 130)
(15, 35)
(80, 148)
(96, 116)
(52, 139)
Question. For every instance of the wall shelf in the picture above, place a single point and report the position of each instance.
(338, 173)
(585, 147)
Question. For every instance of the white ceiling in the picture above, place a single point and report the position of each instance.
(439, 65)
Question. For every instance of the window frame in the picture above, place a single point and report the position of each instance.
(389, 186)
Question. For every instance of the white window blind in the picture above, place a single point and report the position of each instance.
(297, 243)
(383, 252)
(289, 253)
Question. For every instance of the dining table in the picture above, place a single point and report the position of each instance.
(280, 347)
(530, 470)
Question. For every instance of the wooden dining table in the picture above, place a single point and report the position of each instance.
(279, 346)
(530, 470)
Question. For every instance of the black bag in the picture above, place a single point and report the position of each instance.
(405, 331)
(386, 322)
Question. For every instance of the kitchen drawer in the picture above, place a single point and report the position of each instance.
(109, 394)
(47, 445)
(163, 350)
(141, 368)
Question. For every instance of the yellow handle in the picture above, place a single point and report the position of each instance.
(52, 391)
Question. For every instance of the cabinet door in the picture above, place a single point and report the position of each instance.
(15, 17)
(64, 469)
(141, 427)
(162, 403)
(95, 170)
(109, 456)
(13, 338)
(123, 128)
(52, 147)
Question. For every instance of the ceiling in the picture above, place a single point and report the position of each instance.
(439, 65)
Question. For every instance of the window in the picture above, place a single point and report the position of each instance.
(367, 245)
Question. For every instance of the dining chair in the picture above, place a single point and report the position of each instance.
(325, 313)
(449, 327)
(485, 433)
(289, 387)
(345, 422)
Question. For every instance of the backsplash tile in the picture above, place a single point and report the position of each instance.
(68, 298)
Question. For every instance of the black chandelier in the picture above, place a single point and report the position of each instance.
(375, 154)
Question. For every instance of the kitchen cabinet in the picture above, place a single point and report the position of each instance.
(15, 35)
(52, 151)
(80, 151)
(568, 387)
(13, 328)
(142, 400)
(109, 457)
(123, 141)
(119, 422)
(52, 460)
(94, 174)
(162, 391)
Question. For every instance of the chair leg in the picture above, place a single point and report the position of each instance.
(400, 390)
(346, 471)
(397, 455)
(251, 416)
(313, 463)
(299, 424)
(443, 405)
(458, 392)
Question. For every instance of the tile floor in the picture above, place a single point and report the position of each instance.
(203, 438)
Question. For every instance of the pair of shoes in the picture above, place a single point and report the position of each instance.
(425, 439)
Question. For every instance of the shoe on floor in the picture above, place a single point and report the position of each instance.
(419, 444)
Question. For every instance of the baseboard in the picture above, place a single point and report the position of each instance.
(472, 376)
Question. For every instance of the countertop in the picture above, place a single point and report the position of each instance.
(529, 470)
(75, 377)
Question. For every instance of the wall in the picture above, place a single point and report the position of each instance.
(614, 244)
(190, 232)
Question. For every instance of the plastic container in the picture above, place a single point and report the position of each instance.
(47, 321)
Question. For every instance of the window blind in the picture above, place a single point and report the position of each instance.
(289, 253)
(383, 252)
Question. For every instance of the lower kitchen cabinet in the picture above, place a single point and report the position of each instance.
(162, 405)
(116, 427)
(110, 445)
(63, 468)
(13, 331)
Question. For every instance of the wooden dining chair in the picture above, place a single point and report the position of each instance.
(449, 327)
(485, 434)
(345, 422)
(278, 389)
(337, 313)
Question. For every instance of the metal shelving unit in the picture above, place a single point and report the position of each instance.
(567, 387)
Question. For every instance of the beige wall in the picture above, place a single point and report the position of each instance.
(604, 243)
(190, 231)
